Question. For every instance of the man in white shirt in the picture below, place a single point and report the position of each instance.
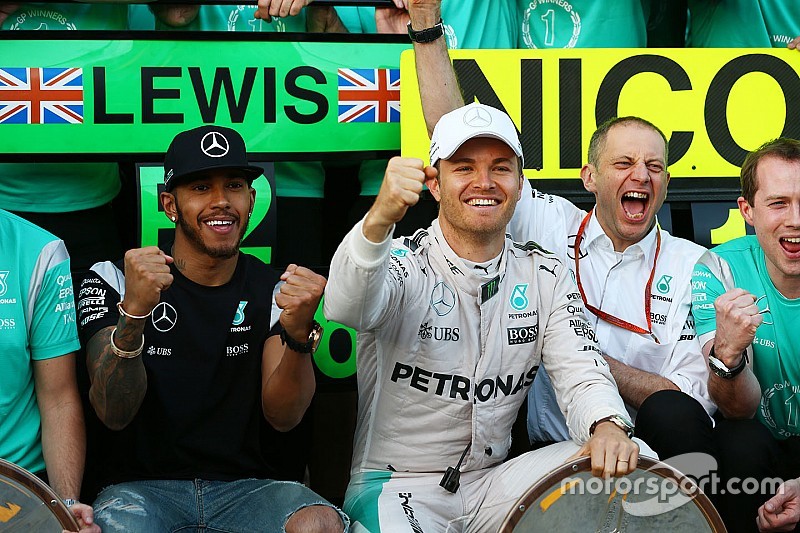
(635, 279)
(634, 276)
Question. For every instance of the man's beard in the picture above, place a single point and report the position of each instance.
(456, 218)
(193, 234)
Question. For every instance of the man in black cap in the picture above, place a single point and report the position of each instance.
(190, 348)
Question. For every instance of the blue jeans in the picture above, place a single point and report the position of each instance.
(257, 505)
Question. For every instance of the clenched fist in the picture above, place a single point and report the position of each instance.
(147, 274)
(299, 298)
(401, 187)
(738, 318)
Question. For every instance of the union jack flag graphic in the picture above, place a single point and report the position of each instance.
(41, 96)
(369, 95)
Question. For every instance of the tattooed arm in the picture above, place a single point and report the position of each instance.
(118, 384)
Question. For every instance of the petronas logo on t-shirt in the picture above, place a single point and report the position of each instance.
(663, 284)
(3, 285)
(238, 318)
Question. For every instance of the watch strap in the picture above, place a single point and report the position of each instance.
(719, 368)
(428, 34)
(302, 347)
(617, 420)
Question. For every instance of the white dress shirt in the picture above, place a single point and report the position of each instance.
(615, 282)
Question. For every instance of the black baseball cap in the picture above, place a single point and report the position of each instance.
(206, 148)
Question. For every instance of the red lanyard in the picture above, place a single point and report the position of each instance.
(602, 315)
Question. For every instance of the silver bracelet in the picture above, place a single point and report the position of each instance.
(128, 315)
(123, 353)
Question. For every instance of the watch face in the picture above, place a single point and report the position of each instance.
(315, 337)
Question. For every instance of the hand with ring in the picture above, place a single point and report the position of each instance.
(613, 453)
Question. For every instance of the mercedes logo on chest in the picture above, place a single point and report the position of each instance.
(477, 118)
(443, 299)
(164, 317)
(214, 144)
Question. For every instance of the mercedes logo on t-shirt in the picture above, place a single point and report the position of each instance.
(164, 317)
(214, 144)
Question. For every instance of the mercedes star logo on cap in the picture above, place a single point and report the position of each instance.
(214, 144)
(477, 118)
(164, 317)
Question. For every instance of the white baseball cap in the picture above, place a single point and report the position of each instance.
(468, 122)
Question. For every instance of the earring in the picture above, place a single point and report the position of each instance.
(173, 218)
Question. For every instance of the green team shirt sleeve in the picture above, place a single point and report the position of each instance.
(53, 331)
(706, 288)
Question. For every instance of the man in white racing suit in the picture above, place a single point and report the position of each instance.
(633, 276)
(452, 326)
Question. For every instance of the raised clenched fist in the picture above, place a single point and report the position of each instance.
(401, 187)
(738, 318)
(147, 274)
(299, 298)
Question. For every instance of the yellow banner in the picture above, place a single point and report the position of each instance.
(714, 105)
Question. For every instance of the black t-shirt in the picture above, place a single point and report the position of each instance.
(201, 416)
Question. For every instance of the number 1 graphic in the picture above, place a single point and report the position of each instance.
(549, 19)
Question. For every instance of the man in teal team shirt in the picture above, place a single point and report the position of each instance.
(743, 24)
(41, 421)
(746, 302)
(71, 200)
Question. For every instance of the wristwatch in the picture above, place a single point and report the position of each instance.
(428, 34)
(618, 421)
(719, 368)
(310, 345)
(69, 502)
